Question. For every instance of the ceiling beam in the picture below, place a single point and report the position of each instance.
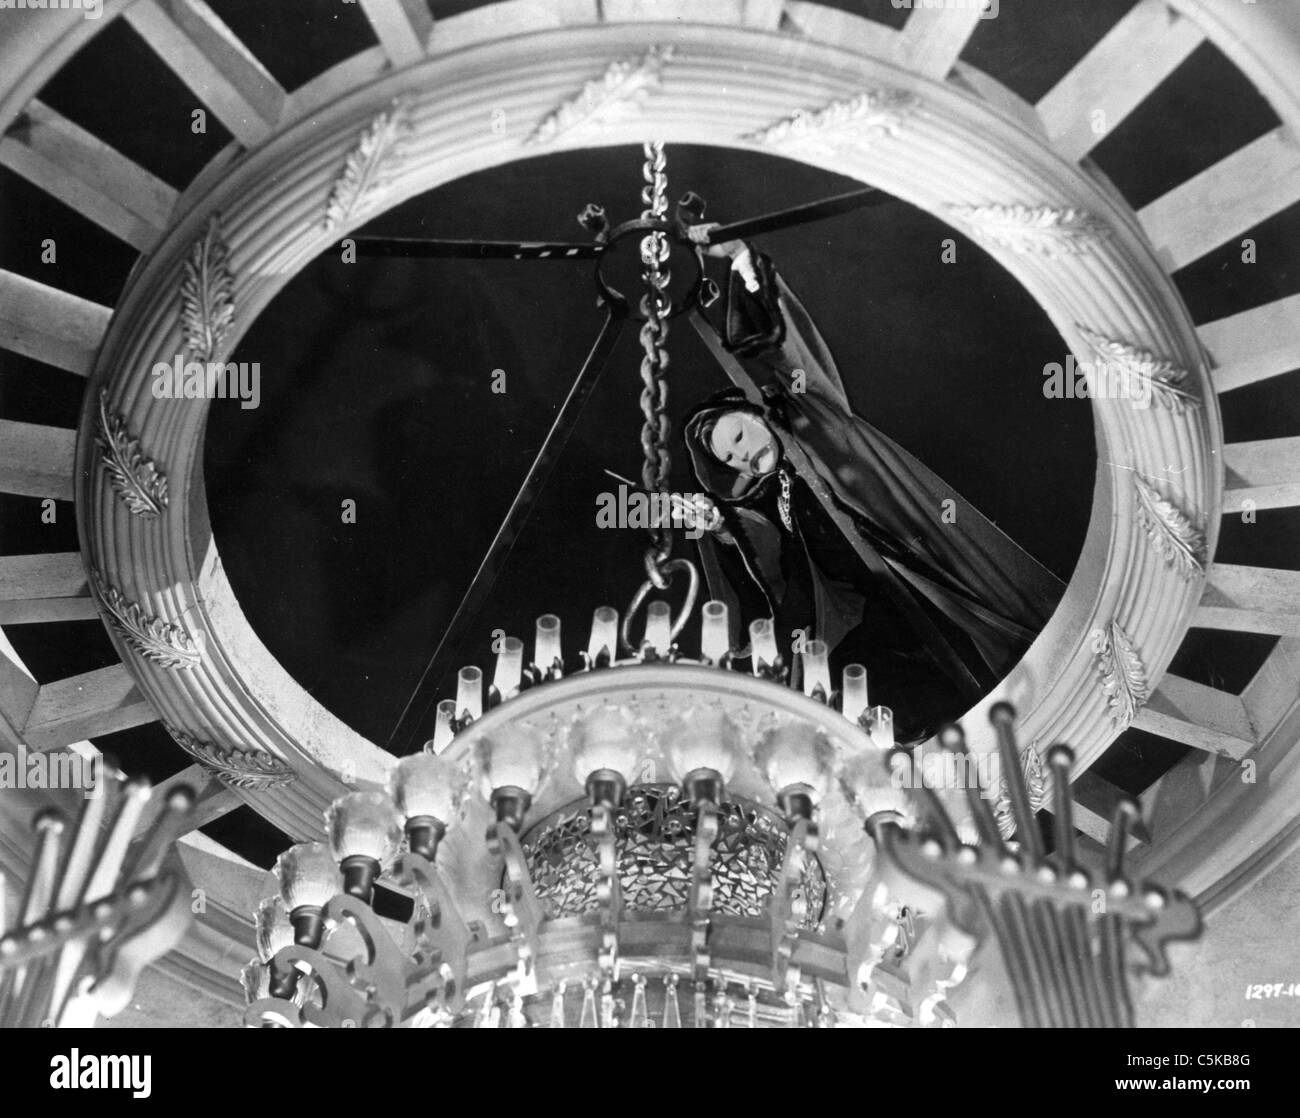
(1199, 716)
(207, 56)
(1272, 694)
(1234, 195)
(403, 28)
(212, 799)
(1254, 345)
(1181, 791)
(84, 706)
(933, 38)
(37, 588)
(1094, 807)
(18, 690)
(1107, 80)
(50, 325)
(36, 461)
(1250, 600)
(1266, 472)
(87, 175)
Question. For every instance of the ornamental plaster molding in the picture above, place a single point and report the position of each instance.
(134, 477)
(1037, 784)
(368, 171)
(1033, 230)
(1124, 679)
(1167, 380)
(848, 121)
(154, 638)
(249, 769)
(1177, 538)
(621, 91)
(207, 294)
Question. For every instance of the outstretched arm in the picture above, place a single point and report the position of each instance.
(768, 323)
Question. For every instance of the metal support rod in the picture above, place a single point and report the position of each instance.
(798, 215)
(428, 247)
(499, 550)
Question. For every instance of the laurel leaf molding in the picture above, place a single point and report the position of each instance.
(1177, 538)
(251, 770)
(1033, 230)
(1165, 378)
(207, 294)
(619, 91)
(370, 165)
(153, 638)
(847, 120)
(134, 477)
(1123, 675)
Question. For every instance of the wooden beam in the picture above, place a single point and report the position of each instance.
(207, 56)
(38, 588)
(1179, 793)
(1271, 696)
(933, 38)
(83, 706)
(1266, 472)
(403, 28)
(1253, 345)
(36, 461)
(1094, 806)
(87, 175)
(1250, 600)
(18, 690)
(1116, 76)
(212, 799)
(1234, 195)
(50, 325)
(1199, 716)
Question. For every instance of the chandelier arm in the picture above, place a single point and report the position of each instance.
(700, 899)
(786, 908)
(446, 248)
(498, 551)
(798, 215)
(609, 892)
(443, 928)
(521, 894)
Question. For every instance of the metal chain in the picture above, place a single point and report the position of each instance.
(655, 306)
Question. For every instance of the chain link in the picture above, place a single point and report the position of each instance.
(655, 306)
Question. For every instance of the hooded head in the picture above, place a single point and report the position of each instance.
(733, 445)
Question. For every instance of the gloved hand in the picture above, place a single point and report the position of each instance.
(742, 260)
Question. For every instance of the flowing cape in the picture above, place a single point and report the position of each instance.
(943, 550)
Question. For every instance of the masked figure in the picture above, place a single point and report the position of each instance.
(908, 579)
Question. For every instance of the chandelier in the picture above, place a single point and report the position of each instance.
(647, 840)
(623, 835)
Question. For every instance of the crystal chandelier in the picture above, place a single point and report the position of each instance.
(647, 840)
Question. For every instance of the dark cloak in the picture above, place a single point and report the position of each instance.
(982, 591)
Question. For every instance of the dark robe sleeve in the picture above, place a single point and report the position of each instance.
(965, 567)
(774, 335)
